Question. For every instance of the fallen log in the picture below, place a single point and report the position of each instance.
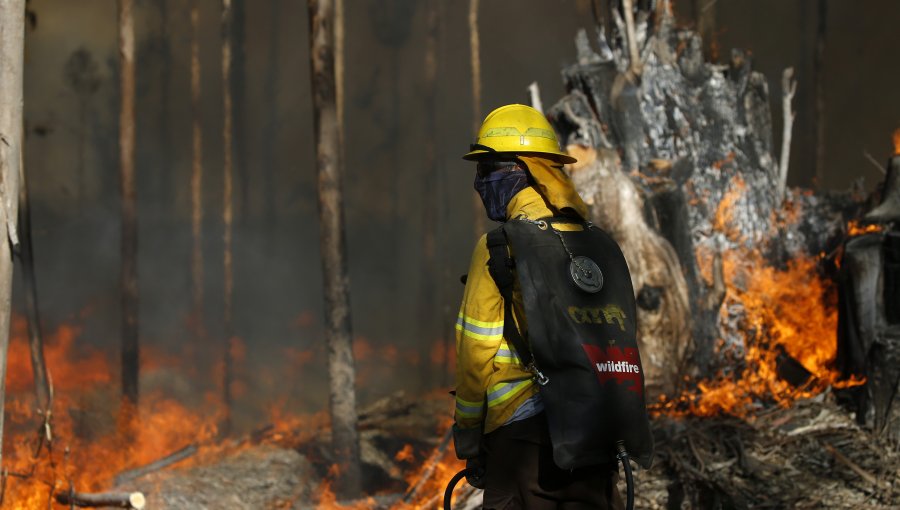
(134, 500)
(168, 460)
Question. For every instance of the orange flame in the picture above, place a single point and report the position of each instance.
(83, 421)
(791, 311)
(792, 308)
(405, 454)
(724, 218)
(98, 447)
(69, 367)
(855, 229)
(897, 142)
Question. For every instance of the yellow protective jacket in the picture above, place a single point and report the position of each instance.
(491, 382)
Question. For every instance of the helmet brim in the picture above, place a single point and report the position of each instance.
(559, 157)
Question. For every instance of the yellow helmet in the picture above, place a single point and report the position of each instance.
(517, 128)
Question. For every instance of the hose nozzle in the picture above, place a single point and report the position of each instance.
(620, 449)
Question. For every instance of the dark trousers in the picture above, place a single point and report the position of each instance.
(520, 473)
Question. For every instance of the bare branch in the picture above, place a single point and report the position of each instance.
(636, 66)
(874, 161)
(788, 88)
(535, 92)
(173, 458)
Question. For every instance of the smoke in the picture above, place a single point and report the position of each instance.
(277, 266)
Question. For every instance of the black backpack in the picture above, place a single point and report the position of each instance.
(581, 345)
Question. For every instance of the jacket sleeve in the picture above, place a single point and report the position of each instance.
(479, 332)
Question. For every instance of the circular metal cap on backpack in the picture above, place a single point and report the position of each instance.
(586, 274)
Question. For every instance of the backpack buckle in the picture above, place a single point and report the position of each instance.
(539, 376)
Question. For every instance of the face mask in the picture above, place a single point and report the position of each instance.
(497, 182)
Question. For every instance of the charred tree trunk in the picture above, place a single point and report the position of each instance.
(166, 177)
(129, 282)
(239, 99)
(339, 58)
(475, 60)
(427, 301)
(338, 331)
(819, 78)
(705, 298)
(42, 389)
(269, 157)
(227, 209)
(197, 316)
(869, 313)
(12, 37)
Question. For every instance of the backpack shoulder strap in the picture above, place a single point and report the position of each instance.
(500, 266)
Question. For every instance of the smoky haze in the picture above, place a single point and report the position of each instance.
(71, 102)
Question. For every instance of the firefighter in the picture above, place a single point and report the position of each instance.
(501, 425)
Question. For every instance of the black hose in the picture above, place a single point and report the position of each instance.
(629, 479)
(448, 492)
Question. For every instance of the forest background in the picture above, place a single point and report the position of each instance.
(71, 112)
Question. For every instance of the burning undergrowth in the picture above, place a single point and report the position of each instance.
(90, 443)
(768, 416)
(780, 342)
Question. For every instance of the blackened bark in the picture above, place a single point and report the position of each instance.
(671, 207)
(129, 279)
(864, 343)
(697, 144)
(338, 330)
(869, 313)
(888, 209)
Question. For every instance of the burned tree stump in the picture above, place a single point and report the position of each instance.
(659, 155)
(678, 162)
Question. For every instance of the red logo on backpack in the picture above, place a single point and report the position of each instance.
(614, 363)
